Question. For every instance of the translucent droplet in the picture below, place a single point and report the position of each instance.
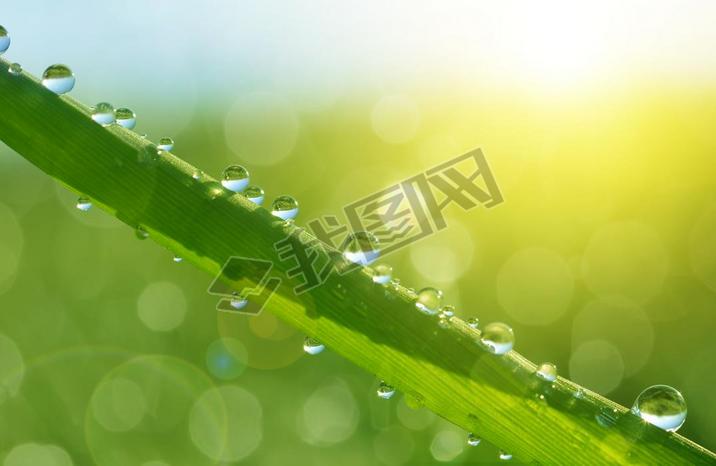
(238, 301)
(473, 440)
(254, 194)
(473, 322)
(361, 248)
(547, 371)
(385, 391)
(235, 178)
(196, 174)
(177, 259)
(662, 406)
(59, 79)
(382, 273)
(498, 337)
(429, 300)
(15, 69)
(504, 456)
(165, 144)
(141, 233)
(284, 207)
(84, 204)
(103, 113)
(126, 118)
(4, 40)
(447, 311)
(312, 346)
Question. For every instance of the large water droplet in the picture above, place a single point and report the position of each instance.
(547, 371)
(125, 118)
(58, 78)
(15, 69)
(312, 346)
(254, 194)
(504, 456)
(662, 406)
(498, 337)
(284, 207)
(429, 300)
(103, 113)
(473, 440)
(473, 322)
(361, 248)
(165, 144)
(382, 274)
(385, 391)
(4, 40)
(235, 178)
(84, 204)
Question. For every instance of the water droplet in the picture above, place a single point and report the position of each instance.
(504, 456)
(235, 178)
(313, 346)
(4, 40)
(254, 194)
(284, 207)
(141, 233)
(15, 69)
(473, 322)
(385, 391)
(429, 300)
(177, 259)
(382, 274)
(361, 248)
(196, 174)
(59, 79)
(447, 311)
(238, 301)
(473, 440)
(662, 406)
(126, 118)
(498, 337)
(84, 204)
(165, 144)
(103, 113)
(547, 371)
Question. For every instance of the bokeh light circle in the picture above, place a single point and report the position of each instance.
(119, 405)
(161, 306)
(11, 244)
(446, 257)
(226, 358)
(598, 365)
(12, 368)
(35, 454)
(447, 445)
(329, 415)
(393, 446)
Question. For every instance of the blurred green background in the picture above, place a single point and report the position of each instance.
(596, 119)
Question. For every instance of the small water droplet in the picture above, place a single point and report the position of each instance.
(103, 113)
(196, 174)
(579, 393)
(313, 346)
(238, 301)
(254, 194)
(361, 248)
(385, 391)
(15, 69)
(126, 118)
(382, 274)
(547, 371)
(447, 311)
(284, 207)
(4, 40)
(141, 233)
(504, 456)
(59, 79)
(235, 178)
(473, 322)
(662, 406)
(429, 300)
(473, 440)
(498, 337)
(177, 259)
(84, 204)
(165, 144)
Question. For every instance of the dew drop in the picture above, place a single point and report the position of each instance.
(84, 204)
(473, 440)
(313, 346)
(498, 338)
(504, 456)
(382, 274)
(385, 391)
(429, 300)
(473, 322)
(662, 406)
(4, 40)
(196, 174)
(165, 144)
(447, 311)
(361, 248)
(177, 259)
(59, 79)
(238, 301)
(284, 207)
(254, 194)
(15, 69)
(141, 233)
(126, 118)
(235, 178)
(547, 371)
(103, 113)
